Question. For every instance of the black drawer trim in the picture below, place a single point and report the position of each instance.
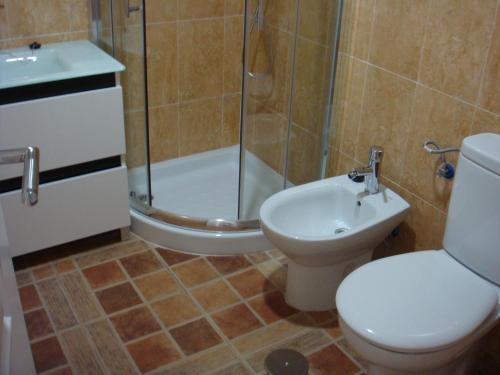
(56, 88)
(63, 173)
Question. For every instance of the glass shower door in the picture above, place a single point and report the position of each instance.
(129, 36)
(289, 61)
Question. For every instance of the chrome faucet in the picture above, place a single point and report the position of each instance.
(30, 156)
(371, 171)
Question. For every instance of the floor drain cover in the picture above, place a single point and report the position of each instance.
(286, 362)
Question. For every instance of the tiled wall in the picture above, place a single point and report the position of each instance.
(47, 21)
(412, 70)
(194, 52)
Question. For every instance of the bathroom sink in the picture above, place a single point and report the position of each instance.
(54, 62)
(327, 228)
(333, 215)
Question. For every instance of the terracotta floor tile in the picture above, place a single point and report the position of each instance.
(118, 297)
(272, 307)
(331, 361)
(175, 310)
(47, 354)
(140, 264)
(38, 324)
(135, 323)
(153, 352)
(80, 353)
(110, 252)
(332, 328)
(215, 296)
(321, 317)
(195, 272)
(29, 297)
(172, 257)
(195, 336)
(104, 274)
(43, 272)
(250, 283)
(65, 265)
(236, 321)
(57, 304)
(80, 296)
(229, 264)
(156, 285)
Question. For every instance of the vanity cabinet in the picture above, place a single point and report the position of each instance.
(78, 125)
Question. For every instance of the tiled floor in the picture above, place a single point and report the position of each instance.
(130, 308)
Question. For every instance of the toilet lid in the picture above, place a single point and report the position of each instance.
(417, 302)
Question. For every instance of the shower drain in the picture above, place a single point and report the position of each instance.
(341, 230)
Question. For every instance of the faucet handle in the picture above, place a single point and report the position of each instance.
(375, 154)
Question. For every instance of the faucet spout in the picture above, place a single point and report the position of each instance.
(371, 172)
(30, 156)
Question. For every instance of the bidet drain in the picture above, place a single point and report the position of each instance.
(341, 230)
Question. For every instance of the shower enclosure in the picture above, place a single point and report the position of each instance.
(226, 103)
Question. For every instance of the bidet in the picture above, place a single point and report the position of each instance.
(327, 228)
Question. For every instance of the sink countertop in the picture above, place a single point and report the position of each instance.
(54, 62)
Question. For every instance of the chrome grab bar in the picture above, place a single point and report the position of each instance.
(30, 156)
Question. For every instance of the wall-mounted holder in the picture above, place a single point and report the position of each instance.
(446, 169)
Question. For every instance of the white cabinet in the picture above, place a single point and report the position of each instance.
(83, 184)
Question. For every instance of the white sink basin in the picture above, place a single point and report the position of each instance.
(54, 62)
(328, 228)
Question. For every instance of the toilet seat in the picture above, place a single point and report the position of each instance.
(418, 302)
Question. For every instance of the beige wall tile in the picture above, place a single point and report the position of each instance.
(400, 23)
(233, 49)
(281, 13)
(4, 26)
(310, 85)
(135, 131)
(163, 133)
(200, 126)
(447, 121)
(489, 96)
(231, 121)
(34, 17)
(356, 27)
(269, 139)
(317, 19)
(303, 156)
(201, 58)
(190, 9)
(348, 97)
(485, 122)
(456, 46)
(234, 7)
(385, 119)
(162, 64)
(161, 10)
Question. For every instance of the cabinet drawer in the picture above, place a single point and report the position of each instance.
(68, 129)
(67, 210)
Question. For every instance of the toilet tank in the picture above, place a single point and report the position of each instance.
(472, 233)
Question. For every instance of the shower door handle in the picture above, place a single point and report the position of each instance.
(131, 8)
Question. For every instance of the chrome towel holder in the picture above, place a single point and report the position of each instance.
(446, 169)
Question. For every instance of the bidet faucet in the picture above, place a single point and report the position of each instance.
(30, 156)
(371, 171)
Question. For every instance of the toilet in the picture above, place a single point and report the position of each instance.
(426, 311)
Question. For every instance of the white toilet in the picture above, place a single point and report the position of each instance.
(424, 312)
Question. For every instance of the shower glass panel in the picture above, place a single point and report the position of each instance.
(126, 39)
(290, 55)
(268, 59)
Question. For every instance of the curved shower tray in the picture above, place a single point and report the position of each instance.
(198, 241)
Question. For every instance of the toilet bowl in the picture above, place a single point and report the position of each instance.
(426, 311)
